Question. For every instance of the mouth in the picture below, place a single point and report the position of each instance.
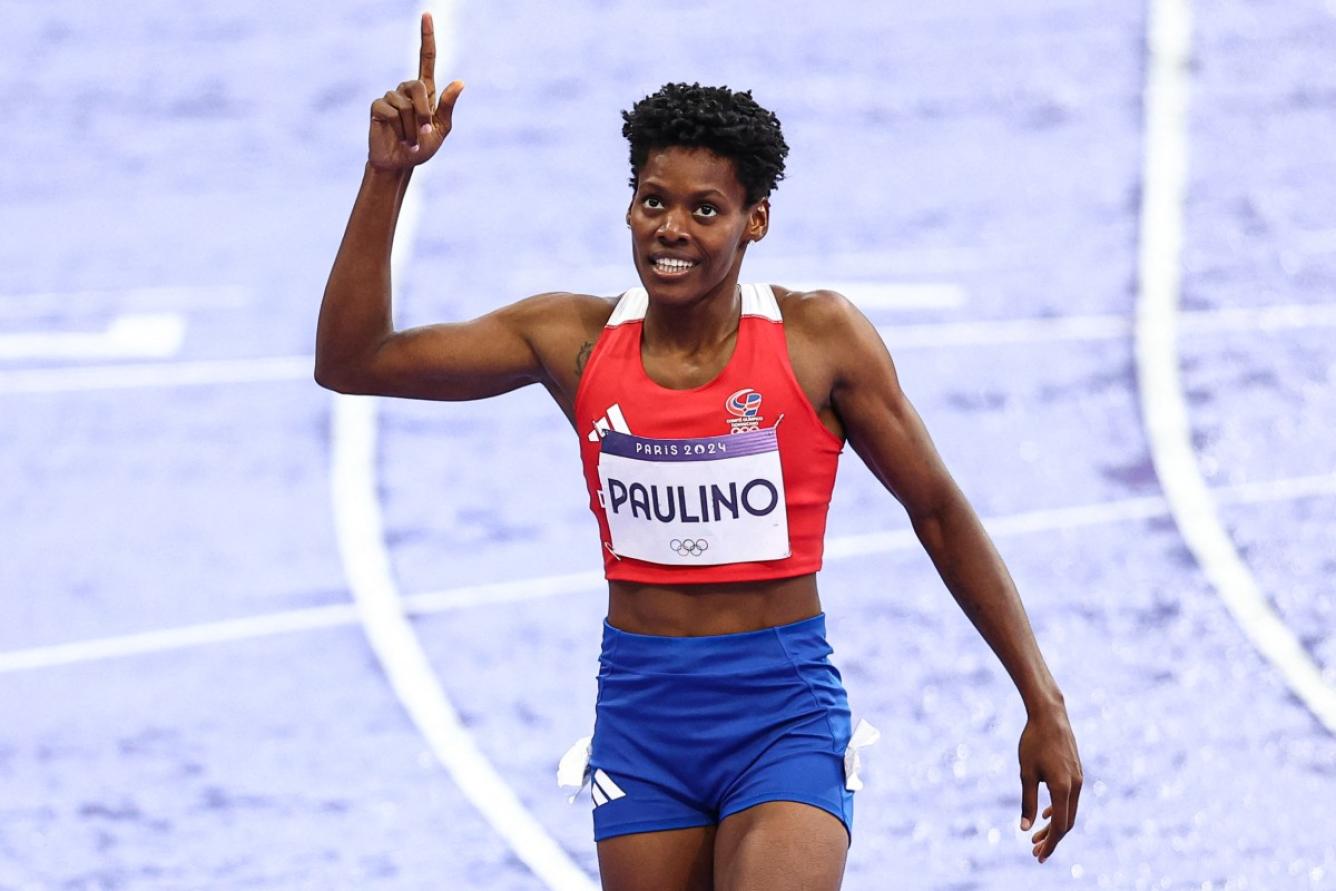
(672, 267)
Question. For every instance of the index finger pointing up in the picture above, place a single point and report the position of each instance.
(427, 57)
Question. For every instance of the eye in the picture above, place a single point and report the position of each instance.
(651, 202)
(708, 210)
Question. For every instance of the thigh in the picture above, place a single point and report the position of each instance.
(669, 860)
(780, 845)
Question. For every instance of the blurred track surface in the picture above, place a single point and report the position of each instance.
(187, 697)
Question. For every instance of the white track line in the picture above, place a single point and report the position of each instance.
(1005, 331)
(1104, 327)
(366, 561)
(1282, 317)
(519, 590)
(202, 372)
(184, 637)
(894, 295)
(1164, 408)
(185, 297)
(919, 336)
(504, 592)
(135, 335)
(1014, 524)
(397, 647)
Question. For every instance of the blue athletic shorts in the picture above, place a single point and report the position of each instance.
(689, 730)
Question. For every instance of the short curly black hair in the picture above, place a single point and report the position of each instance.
(729, 124)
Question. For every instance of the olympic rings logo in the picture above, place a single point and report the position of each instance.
(689, 547)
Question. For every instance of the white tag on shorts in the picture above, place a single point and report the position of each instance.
(864, 735)
(573, 771)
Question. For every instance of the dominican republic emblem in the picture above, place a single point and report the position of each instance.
(745, 406)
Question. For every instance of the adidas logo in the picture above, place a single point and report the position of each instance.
(613, 420)
(604, 789)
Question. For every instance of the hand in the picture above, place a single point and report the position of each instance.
(407, 125)
(1048, 754)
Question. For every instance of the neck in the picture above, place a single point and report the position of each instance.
(701, 324)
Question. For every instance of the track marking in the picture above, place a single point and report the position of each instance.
(894, 295)
(1005, 331)
(1281, 317)
(542, 587)
(517, 591)
(381, 611)
(1164, 408)
(125, 299)
(133, 335)
(380, 607)
(920, 336)
(1014, 524)
(1104, 327)
(180, 638)
(129, 376)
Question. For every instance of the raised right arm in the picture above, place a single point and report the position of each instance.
(357, 348)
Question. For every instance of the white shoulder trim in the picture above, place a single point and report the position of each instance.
(759, 300)
(630, 308)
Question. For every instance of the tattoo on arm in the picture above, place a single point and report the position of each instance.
(583, 356)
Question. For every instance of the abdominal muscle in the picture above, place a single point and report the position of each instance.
(700, 610)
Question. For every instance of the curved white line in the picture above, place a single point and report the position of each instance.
(367, 563)
(361, 538)
(1164, 409)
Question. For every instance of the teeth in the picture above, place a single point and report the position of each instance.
(673, 265)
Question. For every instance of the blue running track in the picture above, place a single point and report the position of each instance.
(189, 697)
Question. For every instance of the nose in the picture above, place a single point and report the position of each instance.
(671, 228)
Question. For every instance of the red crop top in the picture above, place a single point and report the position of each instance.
(707, 484)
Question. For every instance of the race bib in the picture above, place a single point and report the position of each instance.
(695, 502)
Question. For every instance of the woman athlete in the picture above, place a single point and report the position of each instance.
(709, 416)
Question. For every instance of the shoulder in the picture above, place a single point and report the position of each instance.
(556, 319)
(829, 328)
(561, 327)
(820, 311)
(825, 320)
(561, 309)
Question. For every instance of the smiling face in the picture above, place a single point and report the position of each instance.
(690, 224)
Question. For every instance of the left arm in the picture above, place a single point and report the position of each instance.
(887, 433)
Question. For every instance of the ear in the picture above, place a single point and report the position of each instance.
(758, 221)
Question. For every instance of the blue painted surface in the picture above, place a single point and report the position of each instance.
(997, 148)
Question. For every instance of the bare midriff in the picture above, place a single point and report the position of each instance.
(723, 608)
